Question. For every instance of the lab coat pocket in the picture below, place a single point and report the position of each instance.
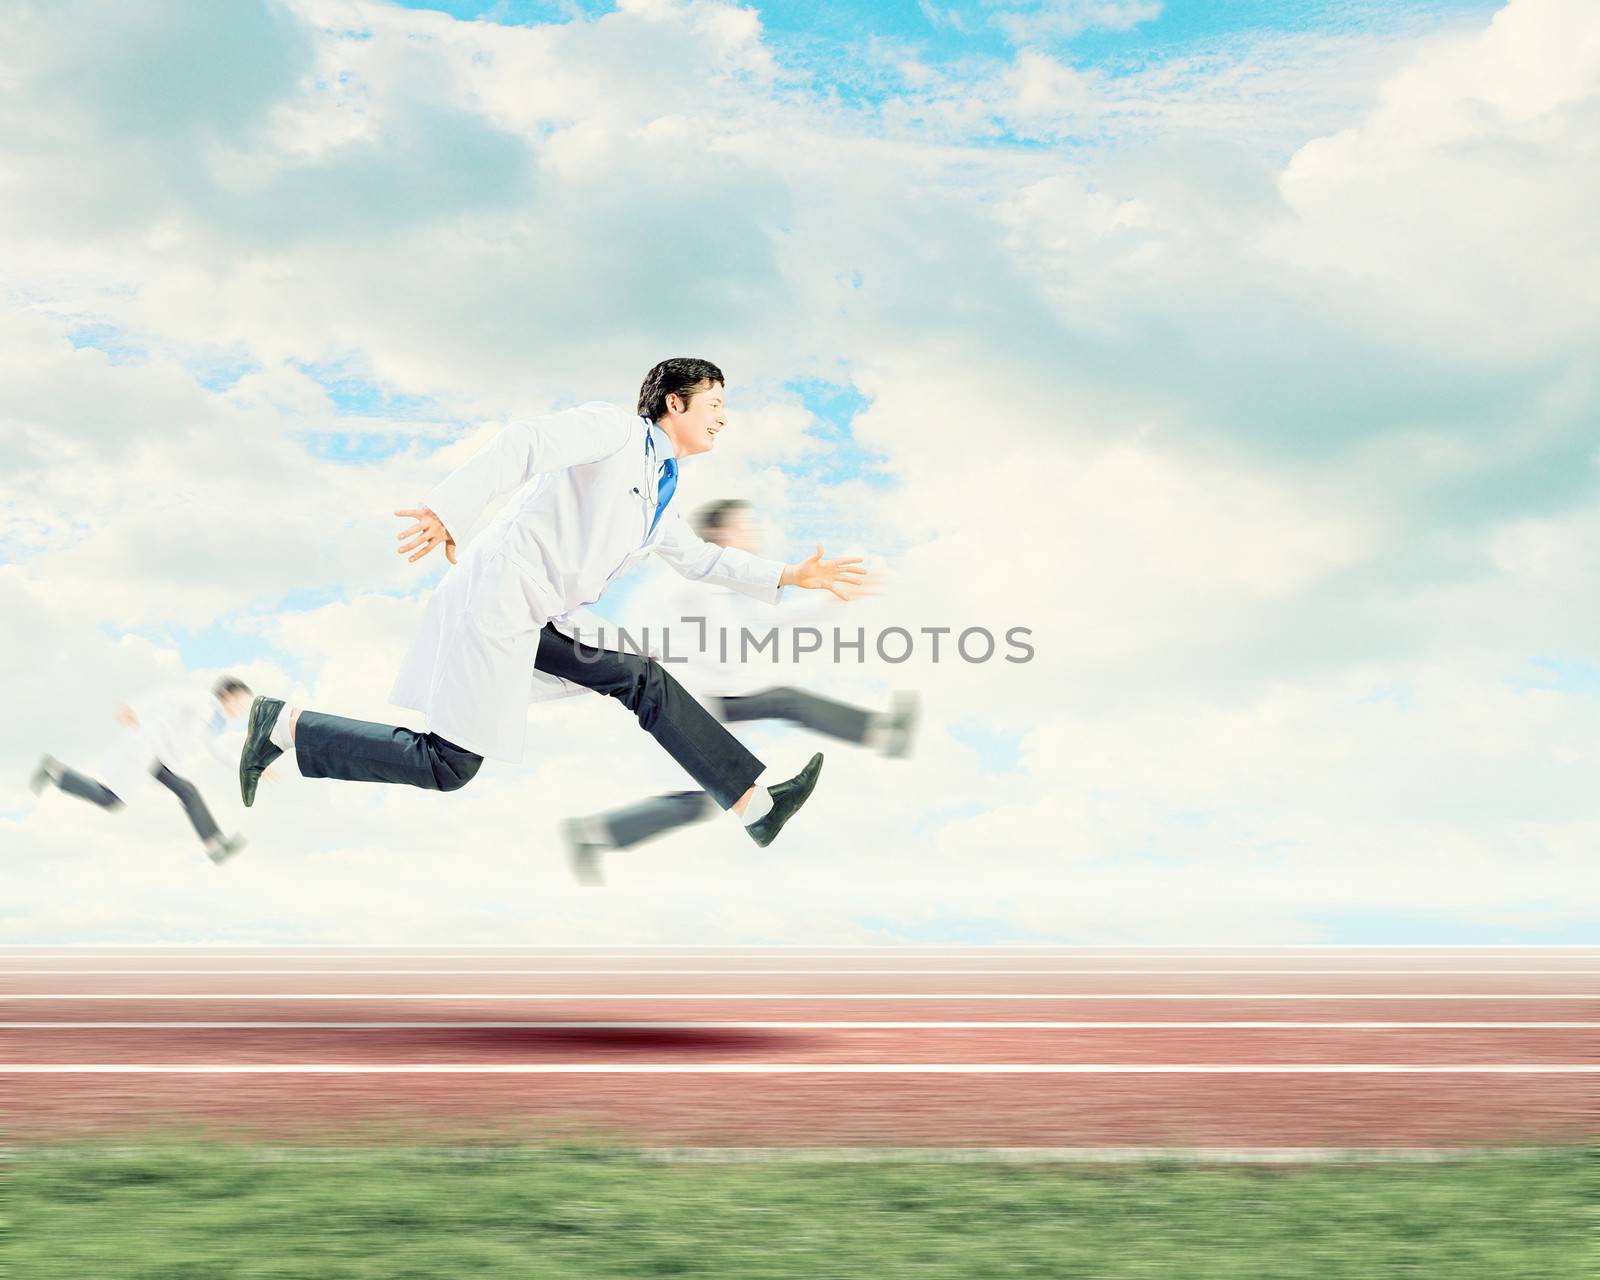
(505, 601)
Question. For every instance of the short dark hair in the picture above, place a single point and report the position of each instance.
(710, 518)
(680, 376)
(228, 686)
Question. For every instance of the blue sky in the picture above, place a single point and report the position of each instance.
(1239, 350)
(828, 41)
(956, 29)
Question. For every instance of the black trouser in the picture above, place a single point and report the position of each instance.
(814, 712)
(86, 788)
(360, 751)
(661, 814)
(655, 817)
(356, 750)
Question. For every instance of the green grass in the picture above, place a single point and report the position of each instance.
(214, 1211)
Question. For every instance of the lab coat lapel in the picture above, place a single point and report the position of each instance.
(650, 487)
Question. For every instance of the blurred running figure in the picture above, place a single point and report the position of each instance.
(162, 729)
(593, 488)
(730, 523)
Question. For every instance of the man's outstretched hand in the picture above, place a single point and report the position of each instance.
(428, 533)
(844, 576)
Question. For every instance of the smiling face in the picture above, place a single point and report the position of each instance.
(693, 427)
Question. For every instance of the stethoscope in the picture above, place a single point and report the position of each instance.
(649, 453)
(650, 448)
(651, 500)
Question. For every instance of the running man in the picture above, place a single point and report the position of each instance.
(592, 493)
(727, 688)
(159, 730)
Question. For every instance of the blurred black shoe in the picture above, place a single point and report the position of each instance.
(904, 709)
(220, 850)
(44, 775)
(583, 853)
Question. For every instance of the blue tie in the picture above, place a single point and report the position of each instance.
(669, 482)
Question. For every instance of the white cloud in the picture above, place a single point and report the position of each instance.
(1256, 392)
(1461, 206)
(1062, 19)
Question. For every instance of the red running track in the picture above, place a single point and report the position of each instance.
(1013, 1047)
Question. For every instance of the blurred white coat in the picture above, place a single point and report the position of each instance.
(176, 724)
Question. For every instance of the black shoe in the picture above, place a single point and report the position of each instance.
(787, 797)
(902, 726)
(219, 851)
(259, 749)
(583, 856)
(44, 775)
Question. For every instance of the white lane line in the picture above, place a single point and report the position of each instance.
(201, 963)
(802, 948)
(792, 957)
(563, 972)
(784, 997)
(799, 1026)
(793, 1068)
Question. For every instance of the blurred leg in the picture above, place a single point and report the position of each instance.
(814, 712)
(655, 817)
(86, 788)
(188, 794)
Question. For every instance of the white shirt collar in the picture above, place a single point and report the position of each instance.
(662, 441)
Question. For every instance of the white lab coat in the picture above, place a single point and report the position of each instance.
(584, 494)
(175, 724)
